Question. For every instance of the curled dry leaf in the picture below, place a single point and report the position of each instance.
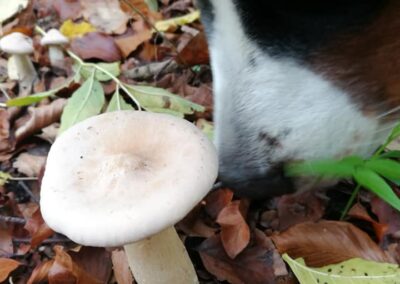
(359, 212)
(38, 118)
(5, 143)
(235, 233)
(259, 263)
(328, 242)
(29, 165)
(387, 215)
(39, 274)
(96, 45)
(37, 228)
(218, 200)
(195, 52)
(105, 15)
(7, 266)
(65, 270)
(121, 268)
(194, 225)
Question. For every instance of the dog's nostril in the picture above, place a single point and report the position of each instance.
(259, 186)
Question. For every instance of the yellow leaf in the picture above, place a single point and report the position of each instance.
(173, 23)
(72, 30)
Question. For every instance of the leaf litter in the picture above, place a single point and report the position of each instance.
(228, 238)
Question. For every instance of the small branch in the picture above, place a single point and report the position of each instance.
(47, 241)
(14, 220)
(151, 70)
(28, 191)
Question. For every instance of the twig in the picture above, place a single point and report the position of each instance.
(47, 241)
(14, 220)
(151, 70)
(28, 191)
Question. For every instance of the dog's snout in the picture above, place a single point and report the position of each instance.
(259, 186)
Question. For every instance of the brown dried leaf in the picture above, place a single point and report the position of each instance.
(41, 272)
(65, 270)
(195, 52)
(96, 46)
(6, 267)
(68, 9)
(387, 215)
(328, 242)
(29, 165)
(38, 229)
(6, 244)
(128, 44)
(121, 268)
(218, 200)
(193, 224)
(257, 264)
(38, 118)
(105, 15)
(5, 143)
(358, 211)
(235, 233)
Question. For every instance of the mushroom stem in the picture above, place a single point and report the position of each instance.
(56, 55)
(161, 259)
(25, 69)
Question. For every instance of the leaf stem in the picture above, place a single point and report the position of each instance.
(350, 202)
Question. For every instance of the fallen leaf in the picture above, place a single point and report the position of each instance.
(65, 270)
(174, 23)
(38, 118)
(7, 266)
(255, 265)
(328, 242)
(68, 9)
(38, 229)
(218, 200)
(11, 8)
(358, 211)
(29, 165)
(121, 268)
(195, 52)
(6, 244)
(235, 233)
(128, 44)
(50, 133)
(386, 215)
(96, 45)
(5, 143)
(73, 30)
(41, 272)
(193, 225)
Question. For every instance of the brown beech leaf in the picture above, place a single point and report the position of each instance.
(68, 9)
(38, 118)
(96, 46)
(386, 214)
(259, 263)
(6, 267)
(359, 212)
(235, 233)
(6, 244)
(195, 52)
(105, 15)
(41, 272)
(38, 229)
(121, 268)
(29, 165)
(299, 208)
(193, 225)
(328, 242)
(218, 200)
(65, 270)
(5, 143)
(130, 42)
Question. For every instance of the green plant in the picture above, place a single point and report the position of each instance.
(89, 99)
(375, 173)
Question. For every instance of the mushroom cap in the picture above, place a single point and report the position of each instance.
(54, 37)
(120, 177)
(16, 43)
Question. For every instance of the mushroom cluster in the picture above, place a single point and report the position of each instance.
(125, 178)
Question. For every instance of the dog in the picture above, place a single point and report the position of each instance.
(296, 80)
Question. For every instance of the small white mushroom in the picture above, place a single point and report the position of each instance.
(55, 40)
(20, 46)
(125, 178)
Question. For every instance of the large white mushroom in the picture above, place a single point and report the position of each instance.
(125, 178)
(20, 46)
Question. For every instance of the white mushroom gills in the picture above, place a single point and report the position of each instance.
(125, 178)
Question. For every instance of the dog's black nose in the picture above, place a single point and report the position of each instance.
(274, 183)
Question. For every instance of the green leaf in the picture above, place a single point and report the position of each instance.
(327, 168)
(160, 100)
(113, 68)
(388, 168)
(25, 101)
(4, 177)
(152, 4)
(118, 103)
(391, 155)
(207, 128)
(355, 271)
(87, 101)
(372, 181)
(394, 134)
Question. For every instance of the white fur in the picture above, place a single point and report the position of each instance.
(278, 96)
